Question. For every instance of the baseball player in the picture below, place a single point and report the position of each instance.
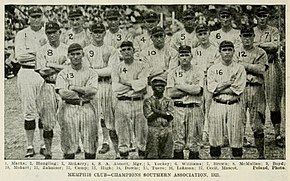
(129, 82)
(187, 35)
(226, 32)
(204, 56)
(185, 87)
(50, 59)
(77, 33)
(102, 58)
(158, 111)
(115, 35)
(255, 61)
(27, 43)
(267, 37)
(226, 80)
(77, 85)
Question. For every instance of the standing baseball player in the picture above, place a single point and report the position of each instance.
(50, 59)
(267, 38)
(185, 87)
(27, 43)
(129, 82)
(77, 34)
(187, 35)
(226, 32)
(255, 61)
(226, 80)
(204, 56)
(158, 111)
(77, 85)
(115, 35)
(102, 58)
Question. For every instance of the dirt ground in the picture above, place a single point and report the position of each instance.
(15, 140)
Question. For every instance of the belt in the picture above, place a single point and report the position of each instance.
(227, 102)
(180, 104)
(27, 66)
(104, 79)
(125, 98)
(49, 81)
(253, 84)
(77, 102)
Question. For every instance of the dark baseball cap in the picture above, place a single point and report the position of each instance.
(262, 10)
(126, 44)
(151, 16)
(247, 30)
(201, 28)
(188, 14)
(112, 13)
(75, 13)
(225, 10)
(157, 30)
(74, 47)
(51, 27)
(226, 43)
(34, 11)
(98, 28)
(184, 49)
(158, 80)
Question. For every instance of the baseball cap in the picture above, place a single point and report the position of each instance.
(74, 47)
(51, 27)
(184, 49)
(151, 17)
(247, 30)
(34, 11)
(98, 28)
(126, 44)
(75, 13)
(225, 10)
(188, 14)
(226, 44)
(262, 10)
(158, 80)
(113, 13)
(157, 30)
(201, 27)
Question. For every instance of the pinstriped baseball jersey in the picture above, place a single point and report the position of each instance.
(81, 38)
(216, 37)
(47, 100)
(115, 39)
(269, 34)
(184, 38)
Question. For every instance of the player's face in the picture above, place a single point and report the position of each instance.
(99, 36)
(158, 40)
(127, 52)
(262, 19)
(158, 87)
(113, 23)
(188, 22)
(247, 39)
(76, 57)
(76, 22)
(225, 19)
(203, 37)
(36, 20)
(53, 36)
(150, 24)
(227, 54)
(185, 58)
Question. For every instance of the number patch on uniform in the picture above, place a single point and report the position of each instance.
(151, 52)
(119, 37)
(70, 36)
(198, 53)
(242, 54)
(70, 75)
(124, 70)
(267, 34)
(143, 39)
(92, 53)
(182, 36)
(218, 36)
(49, 52)
(219, 72)
(179, 74)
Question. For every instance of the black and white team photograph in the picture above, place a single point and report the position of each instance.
(180, 81)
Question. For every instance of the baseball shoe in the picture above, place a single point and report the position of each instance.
(47, 157)
(42, 151)
(30, 152)
(105, 148)
(79, 150)
(279, 142)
